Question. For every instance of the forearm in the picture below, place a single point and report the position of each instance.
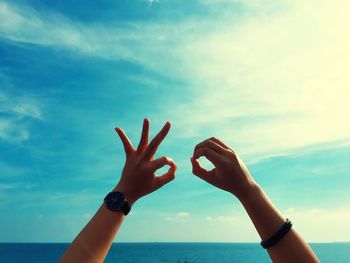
(93, 242)
(267, 221)
(138, 179)
(230, 174)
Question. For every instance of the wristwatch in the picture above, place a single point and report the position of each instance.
(116, 202)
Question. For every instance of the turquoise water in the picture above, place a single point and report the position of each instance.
(168, 252)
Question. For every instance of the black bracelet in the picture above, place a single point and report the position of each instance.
(278, 235)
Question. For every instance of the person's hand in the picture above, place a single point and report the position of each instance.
(229, 173)
(138, 177)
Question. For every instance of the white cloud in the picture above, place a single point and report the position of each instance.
(27, 109)
(26, 25)
(15, 108)
(271, 80)
(178, 217)
(134, 42)
(321, 225)
(271, 83)
(151, 2)
(12, 132)
(20, 106)
(314, 224)
(289, 210)
(222, 219)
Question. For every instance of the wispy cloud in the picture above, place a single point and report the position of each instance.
(24, 24)
(306, 221)
(11, 131)
(310, 221)
(178, 217)
(270, 80)
(271, 83)
(27, 109)
(134, 42)
(14, 110)
(222, 219)
(228, 66)
(17, 105)
(151, 2)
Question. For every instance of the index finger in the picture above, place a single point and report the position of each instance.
(144, 136)
(211, 144)
(208, 153)
(126, 142)
(154, 144)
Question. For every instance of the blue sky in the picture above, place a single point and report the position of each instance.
(270, 78)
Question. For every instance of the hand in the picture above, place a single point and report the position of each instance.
(229, 173)
(138, 177)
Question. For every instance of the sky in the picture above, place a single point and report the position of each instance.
(269, 78)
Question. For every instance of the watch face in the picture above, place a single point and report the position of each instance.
(115, 201)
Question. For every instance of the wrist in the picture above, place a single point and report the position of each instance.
(129, 195)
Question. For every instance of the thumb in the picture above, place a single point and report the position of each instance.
(167, 177)
(199, 171)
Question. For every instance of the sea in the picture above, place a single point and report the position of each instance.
(168, 252)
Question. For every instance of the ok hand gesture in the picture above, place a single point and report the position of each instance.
(138, 178)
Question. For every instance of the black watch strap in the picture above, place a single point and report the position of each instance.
(126, 208)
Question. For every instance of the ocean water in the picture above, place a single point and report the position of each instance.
(167, 252)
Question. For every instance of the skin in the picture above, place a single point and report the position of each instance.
(230, 174)
(138, 179)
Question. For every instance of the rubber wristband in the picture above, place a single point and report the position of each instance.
(278, 235)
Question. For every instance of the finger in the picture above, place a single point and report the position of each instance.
(154, 144)
(199, 171)
(208, 153)
(212, 145)
(221, 143)
(125, 140)
(162, 161)
(144, 136)
(166, 178)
